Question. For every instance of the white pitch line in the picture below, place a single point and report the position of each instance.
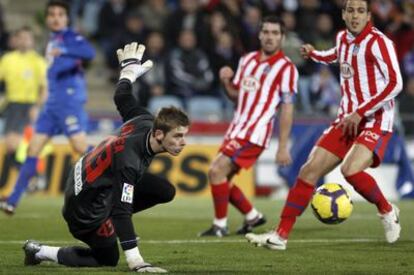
(205, 241)
(41, 216)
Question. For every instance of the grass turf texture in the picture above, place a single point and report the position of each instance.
(169, 239)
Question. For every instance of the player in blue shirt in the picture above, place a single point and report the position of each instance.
(63, 112)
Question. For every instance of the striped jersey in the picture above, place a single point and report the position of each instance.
(370, 76)
(262, 86)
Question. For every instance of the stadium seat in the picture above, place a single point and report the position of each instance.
(205, 108)
(158, 102)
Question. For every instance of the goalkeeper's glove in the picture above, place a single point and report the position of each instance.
(130, 61)
(149, 268)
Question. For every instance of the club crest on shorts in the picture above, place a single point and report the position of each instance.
(70, 120)
(233, 145)
(127, 193)
(347, 71)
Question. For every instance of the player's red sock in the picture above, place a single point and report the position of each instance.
(297, 201)
(220, 194)
(238, 200)
(367, 187)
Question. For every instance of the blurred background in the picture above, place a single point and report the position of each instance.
(189, 41)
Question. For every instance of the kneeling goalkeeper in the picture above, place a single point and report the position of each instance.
(109, 184)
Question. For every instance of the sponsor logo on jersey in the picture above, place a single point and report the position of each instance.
(347, 71)
(127, 193)
(78, 176)
(250, 84)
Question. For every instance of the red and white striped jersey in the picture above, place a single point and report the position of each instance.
(262, 86)
(370, 75)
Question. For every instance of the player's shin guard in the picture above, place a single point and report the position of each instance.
(27, 171)
(367, 187)
(297, 201)
(238, 200)
(220, 194)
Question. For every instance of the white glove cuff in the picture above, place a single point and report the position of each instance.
(130, 72)
(133, 258)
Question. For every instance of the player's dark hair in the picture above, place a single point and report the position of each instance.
(24, 29)
(275, 20)
(58, 3)
(346, 2)
(169, 118)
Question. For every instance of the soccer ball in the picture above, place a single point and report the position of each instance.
(331, 203)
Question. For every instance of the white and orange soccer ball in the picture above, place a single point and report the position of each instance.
(331, 203)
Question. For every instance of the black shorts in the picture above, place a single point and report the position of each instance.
(104, 236)
(16, 117)
(150, 191)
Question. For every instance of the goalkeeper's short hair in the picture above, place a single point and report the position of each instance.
(169, 118)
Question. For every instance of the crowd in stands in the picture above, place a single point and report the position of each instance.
(189, 40)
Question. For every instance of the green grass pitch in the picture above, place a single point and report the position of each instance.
(169, 239)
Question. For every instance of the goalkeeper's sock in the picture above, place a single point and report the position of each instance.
(297, 201)
(238, 200)
(220, 194)
(27, 171)
(367, 187)
(48, 253)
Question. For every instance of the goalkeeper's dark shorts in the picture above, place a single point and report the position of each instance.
(103, 236)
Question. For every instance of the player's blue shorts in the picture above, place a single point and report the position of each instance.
(68, 121)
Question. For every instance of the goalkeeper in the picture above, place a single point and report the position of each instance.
(109, 184)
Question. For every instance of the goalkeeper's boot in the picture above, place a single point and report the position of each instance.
(215, 231)
(391, 223)
(269, 240)
(7, 208)
(248, 225)
(30, 248)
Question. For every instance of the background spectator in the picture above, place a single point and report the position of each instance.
(188, 16)
(406, 107)
(154, 13)
(188, 69)
(152, 83)
(325, 91)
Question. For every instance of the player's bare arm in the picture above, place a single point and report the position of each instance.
(226, 74)
(305, 50)
(283, 157)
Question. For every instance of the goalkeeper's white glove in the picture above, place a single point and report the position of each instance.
(149, 268)
(130, 61)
